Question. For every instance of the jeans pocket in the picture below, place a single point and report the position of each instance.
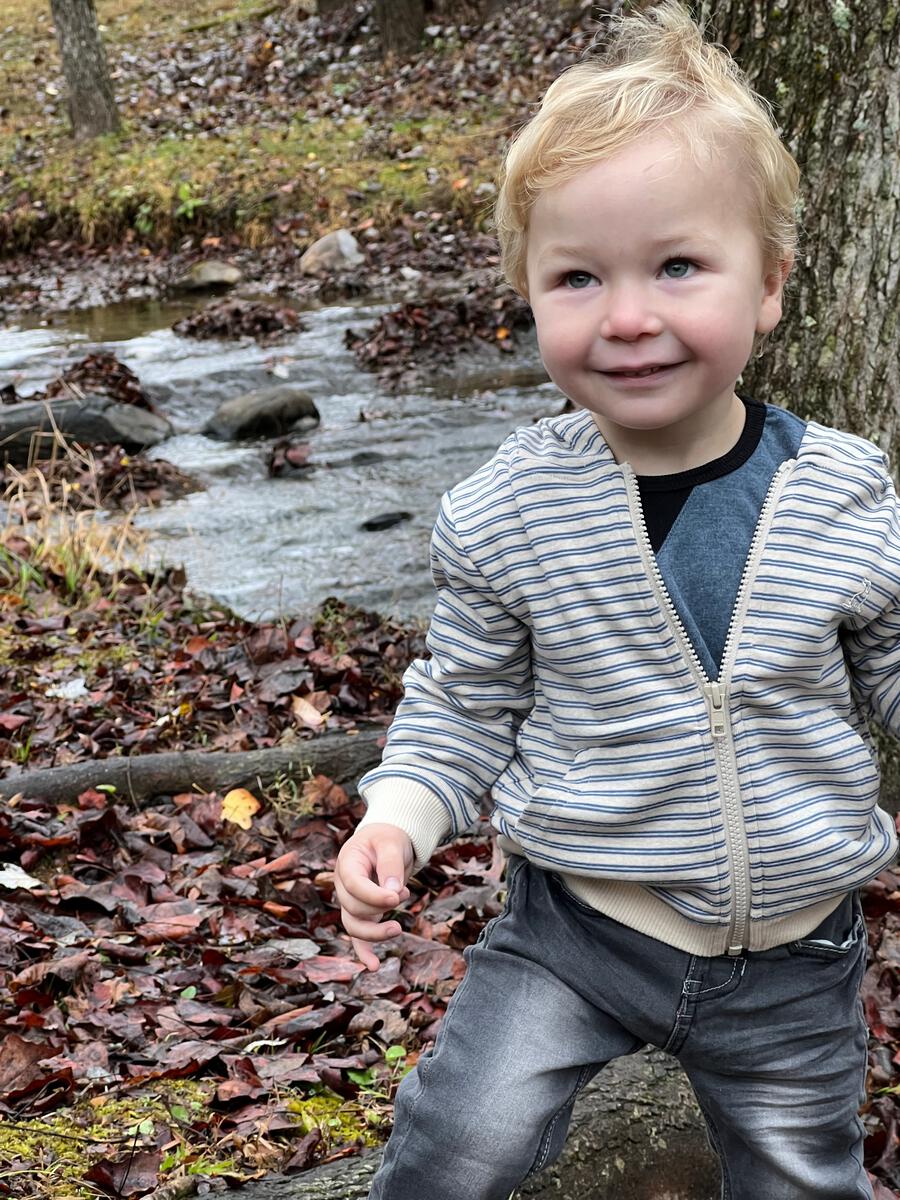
(515, 865)
(839, 935)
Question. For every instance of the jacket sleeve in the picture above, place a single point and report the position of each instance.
(455, 729)
(872, 636)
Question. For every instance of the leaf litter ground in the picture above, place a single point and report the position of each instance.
(177, 999)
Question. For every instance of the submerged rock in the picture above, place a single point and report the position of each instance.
(385, 521)
(265, 412)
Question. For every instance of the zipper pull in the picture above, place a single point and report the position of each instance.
(715, 699)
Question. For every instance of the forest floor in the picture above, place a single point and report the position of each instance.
(248, 131)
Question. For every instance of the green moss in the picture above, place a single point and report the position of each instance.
(59, 1148)
(340, 1121)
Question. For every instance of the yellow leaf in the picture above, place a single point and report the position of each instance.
(239, 806)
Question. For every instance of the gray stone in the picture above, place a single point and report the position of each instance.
(212, 272)
(30, 428)
(336, 250)
(265, 412)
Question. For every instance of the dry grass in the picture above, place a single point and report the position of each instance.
(50, 539)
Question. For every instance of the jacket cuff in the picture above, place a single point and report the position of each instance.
(412, 807)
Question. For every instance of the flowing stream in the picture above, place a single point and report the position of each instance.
(267, 546)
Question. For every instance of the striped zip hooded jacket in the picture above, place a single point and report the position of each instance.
(715, 815)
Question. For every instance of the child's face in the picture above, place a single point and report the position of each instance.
(648, 286)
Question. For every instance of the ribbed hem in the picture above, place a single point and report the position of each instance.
(635, 906)
(412, 807)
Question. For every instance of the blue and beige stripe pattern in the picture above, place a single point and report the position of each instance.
(560, 684)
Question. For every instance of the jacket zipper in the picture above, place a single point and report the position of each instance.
(716, 693)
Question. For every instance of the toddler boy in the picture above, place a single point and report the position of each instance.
(662, 622)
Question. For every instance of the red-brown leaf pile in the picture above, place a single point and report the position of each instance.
(170, 943)
(146, 672)
(440, 328)
(241, 318)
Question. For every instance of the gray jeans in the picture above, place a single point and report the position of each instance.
(773, 1042)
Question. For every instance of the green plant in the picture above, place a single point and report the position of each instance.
(378, 1083)
(22, 751)
(188, 203)
(143, 219)
(17, 573)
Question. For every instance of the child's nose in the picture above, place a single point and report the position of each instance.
(628, 314)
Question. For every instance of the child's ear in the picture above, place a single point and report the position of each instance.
(773, 289)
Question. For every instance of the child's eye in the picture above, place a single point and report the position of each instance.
(578, 279)
(678, 268)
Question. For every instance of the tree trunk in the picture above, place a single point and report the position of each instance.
(832, 71)
(92, 107)
(401, 24)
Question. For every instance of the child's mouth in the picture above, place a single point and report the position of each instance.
(640, 374)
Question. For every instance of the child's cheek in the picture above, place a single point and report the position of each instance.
(563, 339)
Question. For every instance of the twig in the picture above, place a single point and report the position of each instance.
(66, 1137)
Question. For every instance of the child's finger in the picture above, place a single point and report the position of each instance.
(356, 893)
(356, 908)
(365, 954)
(370, 931)
(391, 864)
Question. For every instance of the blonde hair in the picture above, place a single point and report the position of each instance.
(655, 72)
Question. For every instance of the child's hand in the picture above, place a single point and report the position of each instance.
(369, 880)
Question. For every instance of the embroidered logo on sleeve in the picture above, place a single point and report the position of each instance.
(858, 599)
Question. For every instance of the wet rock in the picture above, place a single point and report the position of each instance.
(29, 429)
(385, 521)
(265, 412)
(333, 252)
(212, 272)
(290, 460)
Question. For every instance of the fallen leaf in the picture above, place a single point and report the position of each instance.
(239, 807)
(306, 713)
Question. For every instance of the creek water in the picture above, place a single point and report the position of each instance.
(269, 546)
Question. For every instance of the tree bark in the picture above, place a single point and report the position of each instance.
(341, 756)
(401, 24)
(832, 72)
(92, 106)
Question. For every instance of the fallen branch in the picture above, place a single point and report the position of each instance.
(341, 756)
